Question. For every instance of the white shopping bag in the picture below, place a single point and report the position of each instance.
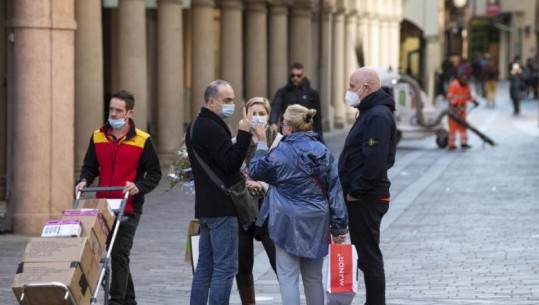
(342, 274)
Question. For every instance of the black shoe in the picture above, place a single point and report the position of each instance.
(465, 146)
(452, 147)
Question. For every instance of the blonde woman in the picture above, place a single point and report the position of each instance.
(304, 203)
(260, 109)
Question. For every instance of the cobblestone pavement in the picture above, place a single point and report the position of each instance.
(463, 226)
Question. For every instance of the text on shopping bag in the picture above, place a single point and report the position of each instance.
(342, 268)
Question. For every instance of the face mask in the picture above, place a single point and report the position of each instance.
(256, 118)
(352, 98)
(227, 110)
(117, 123)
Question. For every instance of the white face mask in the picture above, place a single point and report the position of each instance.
(257, 118)
(352, 98)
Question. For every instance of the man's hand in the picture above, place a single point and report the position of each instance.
(80, 186)
(350, 198)
(275, 127)
(130, 188)
(245, 123)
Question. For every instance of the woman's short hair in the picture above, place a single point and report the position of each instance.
(259, 100)
(299, 118)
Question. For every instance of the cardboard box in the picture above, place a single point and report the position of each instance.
(68, 273)
(62, 228)
(103, 207)
(61, 249)
(94, 228)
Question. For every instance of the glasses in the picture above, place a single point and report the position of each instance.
(282, 124)
(292, 75)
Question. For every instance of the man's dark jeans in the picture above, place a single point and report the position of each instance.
(122, 290)
(365, 217)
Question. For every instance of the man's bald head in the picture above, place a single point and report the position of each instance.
(364, 77)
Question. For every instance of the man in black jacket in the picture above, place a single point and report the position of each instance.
(212, 141)
(368, 152)
(297, 91)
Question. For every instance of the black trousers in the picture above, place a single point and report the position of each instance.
(244, 277)
(122, 290)
(365, 217)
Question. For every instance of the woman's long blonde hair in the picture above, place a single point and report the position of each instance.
(299, 118)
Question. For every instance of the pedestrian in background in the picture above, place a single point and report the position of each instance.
(530, 77)
(209, 136)
(367, 155)
(120, 154)
(459, 95)
(516, 87)
(477, 73)
(260, 109)
(298, 90)
(304, 203)
(490, 77)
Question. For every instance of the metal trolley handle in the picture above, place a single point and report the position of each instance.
(114, 232)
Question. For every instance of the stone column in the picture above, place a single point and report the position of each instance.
(89, 81)
(3, 109)
(232, 52)
(384, 42)
(502, 62)
(314, 75)
(169, 79)
(326, 69)
(432, 62)
(351, 63)
(364, 34)
(43, 57)
(278, 46)
(203, 60)
(132, 60)
(300, 35)
(394, 32)
(338, 68)
(374, 41)
(256, 52)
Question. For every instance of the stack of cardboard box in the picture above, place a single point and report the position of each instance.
(69, 252)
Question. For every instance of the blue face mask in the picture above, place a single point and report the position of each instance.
(117, 123)
(227, 110)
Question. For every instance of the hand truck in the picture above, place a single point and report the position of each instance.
(104, 273)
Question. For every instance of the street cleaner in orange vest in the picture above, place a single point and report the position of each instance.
(458, 96)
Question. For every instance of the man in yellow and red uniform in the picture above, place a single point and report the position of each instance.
(122, 155)
(458, 95)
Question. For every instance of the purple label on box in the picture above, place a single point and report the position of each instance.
(82, 212)
(63, 222)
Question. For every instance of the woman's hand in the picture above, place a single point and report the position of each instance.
(254, 188)
(339, 239)
(252, 184)
(260, 131)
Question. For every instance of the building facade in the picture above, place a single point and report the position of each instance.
(62, 59)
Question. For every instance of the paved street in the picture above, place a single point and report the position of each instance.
(463, 226)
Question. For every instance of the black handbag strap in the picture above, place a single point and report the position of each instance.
(205, 166)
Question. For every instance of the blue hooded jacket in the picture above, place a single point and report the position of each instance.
(300, 214)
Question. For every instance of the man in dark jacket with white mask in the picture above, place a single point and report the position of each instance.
(368, 153)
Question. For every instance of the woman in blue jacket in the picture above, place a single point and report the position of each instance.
(304, 202)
